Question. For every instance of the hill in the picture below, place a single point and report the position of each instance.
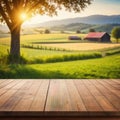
(103, 28)
(84, 27)
(98, 22)
(71, 27)
(94, 19)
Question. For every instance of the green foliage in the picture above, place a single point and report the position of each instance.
(16, 59)
(9, 15)
(78, 31)
(3, 59)
(91, 30)
(48, 59)
(8, 59)
(44, 48)
(47, 31)
(57, 58)
(116, 33)
(113, 52)
(62, 58)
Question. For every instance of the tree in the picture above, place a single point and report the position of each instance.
(116, 33)
(92, 30)
(62, 31)
(47, 31)
(78, 31)
(15, 12)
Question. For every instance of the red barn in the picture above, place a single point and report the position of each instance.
(98, 37)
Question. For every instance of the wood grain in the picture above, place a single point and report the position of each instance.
(42, 98)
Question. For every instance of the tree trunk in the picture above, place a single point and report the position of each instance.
(15, 42)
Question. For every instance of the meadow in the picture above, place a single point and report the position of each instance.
(82, 46)
(53, 41)
(54, 56)
(108, 67)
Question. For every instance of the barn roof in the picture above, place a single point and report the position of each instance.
(95, 35)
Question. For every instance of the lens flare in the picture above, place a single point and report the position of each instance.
(23, 16)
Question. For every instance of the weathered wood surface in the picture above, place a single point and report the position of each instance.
(35, 98)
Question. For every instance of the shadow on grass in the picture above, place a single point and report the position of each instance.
(25, 72)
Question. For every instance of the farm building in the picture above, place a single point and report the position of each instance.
(74, 38)
(98, 37)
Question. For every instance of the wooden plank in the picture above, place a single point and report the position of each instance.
(4, 97)
(91, 88)
(109, 95)
(100, 98)
(89, 100)
(39, 100)
(114, 85)
(2, 91)
(76, 100)
(2, 80)
(116, 80)
(14, 96)
(34, 98)
(7, 87)
(58, 97)
(20, 83)
(114, 90)
(26, 99)
(10, 85)
(5, 83)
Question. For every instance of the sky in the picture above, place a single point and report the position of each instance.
(98, 7)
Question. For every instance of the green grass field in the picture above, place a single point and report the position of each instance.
(59, 63)
(60, 39)
(108, 67)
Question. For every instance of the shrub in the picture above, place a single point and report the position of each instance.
(116, 33)
(112, 52)
(3, 59)
(44, 48)
(8, 59)
(54, 59)
(78, 31)
(16, 60)
(91, 30)
(62, 58)
(47, 31)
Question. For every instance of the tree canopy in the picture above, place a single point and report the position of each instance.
(11, 12)
(116, 33)
(91, 30)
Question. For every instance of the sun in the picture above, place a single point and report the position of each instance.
(23, 16)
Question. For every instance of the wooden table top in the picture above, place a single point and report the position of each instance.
(59, 97)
